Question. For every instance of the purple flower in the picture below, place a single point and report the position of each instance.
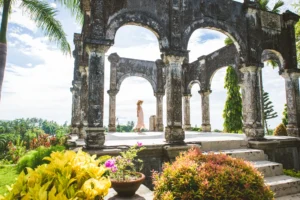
(114, 169)
(139, 144)
(110, 163)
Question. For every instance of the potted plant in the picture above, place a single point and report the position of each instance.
(124, 175)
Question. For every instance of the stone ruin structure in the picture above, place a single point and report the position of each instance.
(258, 36)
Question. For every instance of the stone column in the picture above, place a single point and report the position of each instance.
(252, 103)
(174, 132)
(159, 112)
(206, 127)
(95, 131)
(293, 103)
(75, 121)
(187, 112)
(83, 102)
(112, 110)
(114, 60)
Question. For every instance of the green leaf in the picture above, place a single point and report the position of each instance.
(44, 16)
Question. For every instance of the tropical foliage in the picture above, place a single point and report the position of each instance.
(232, 113)
(20, 135)
(68, 175)
(269, 112)
(284, 116)
(214, 176)
(280, 130)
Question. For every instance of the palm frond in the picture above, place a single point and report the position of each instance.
(44, 16)
(74, 7)
(277, 5)
(263, 5)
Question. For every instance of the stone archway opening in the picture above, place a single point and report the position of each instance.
(125, 67)
(218, 99)
(209, 54)
(133, 89)
(274, 85)
(140, 40)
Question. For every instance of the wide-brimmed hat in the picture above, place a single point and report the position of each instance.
(139, 102)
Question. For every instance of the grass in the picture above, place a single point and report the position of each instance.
(8, 175)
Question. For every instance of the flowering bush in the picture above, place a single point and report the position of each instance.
(16, 151)
(214, 176)
(123, 167)
(69, 175)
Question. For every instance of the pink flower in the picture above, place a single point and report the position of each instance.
(110, 163)
(114, 169)
(139, 144)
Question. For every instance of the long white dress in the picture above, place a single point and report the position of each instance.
(140, 121)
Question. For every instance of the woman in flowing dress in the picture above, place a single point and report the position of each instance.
(140, 117)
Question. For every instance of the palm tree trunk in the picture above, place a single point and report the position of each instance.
(3, 44)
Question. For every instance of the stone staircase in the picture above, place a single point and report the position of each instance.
(284, 187)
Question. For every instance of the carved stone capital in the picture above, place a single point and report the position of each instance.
(158, 94)
(290, 75)
(173, 59)
(290, 18)
(114, 58)
(187, 96)
(96, 48)
(112, 92)
(204, 92)
(251, 69)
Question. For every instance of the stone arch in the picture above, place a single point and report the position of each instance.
(191, 84)
(122, 78)
(217, 25)
(270, 54)
(217, 69)
(138, 18)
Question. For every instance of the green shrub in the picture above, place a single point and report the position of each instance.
(35, 157)
(214, 176)
(280, 130)
(292, 173)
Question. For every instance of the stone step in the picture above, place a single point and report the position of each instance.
(246, 154)
(268, 168)
(223, 145)
(289, 197)
(283, 185)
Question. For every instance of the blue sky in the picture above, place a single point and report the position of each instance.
(38, 77)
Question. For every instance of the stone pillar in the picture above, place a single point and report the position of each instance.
(152, 123)
(114, 60)
(83, 102)
(95, 132)
(187, 111)
(206, 127)
(75, 121)
(174, 132)
(112, 110)
(293, 103)
(252, 103)
(159, 112)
